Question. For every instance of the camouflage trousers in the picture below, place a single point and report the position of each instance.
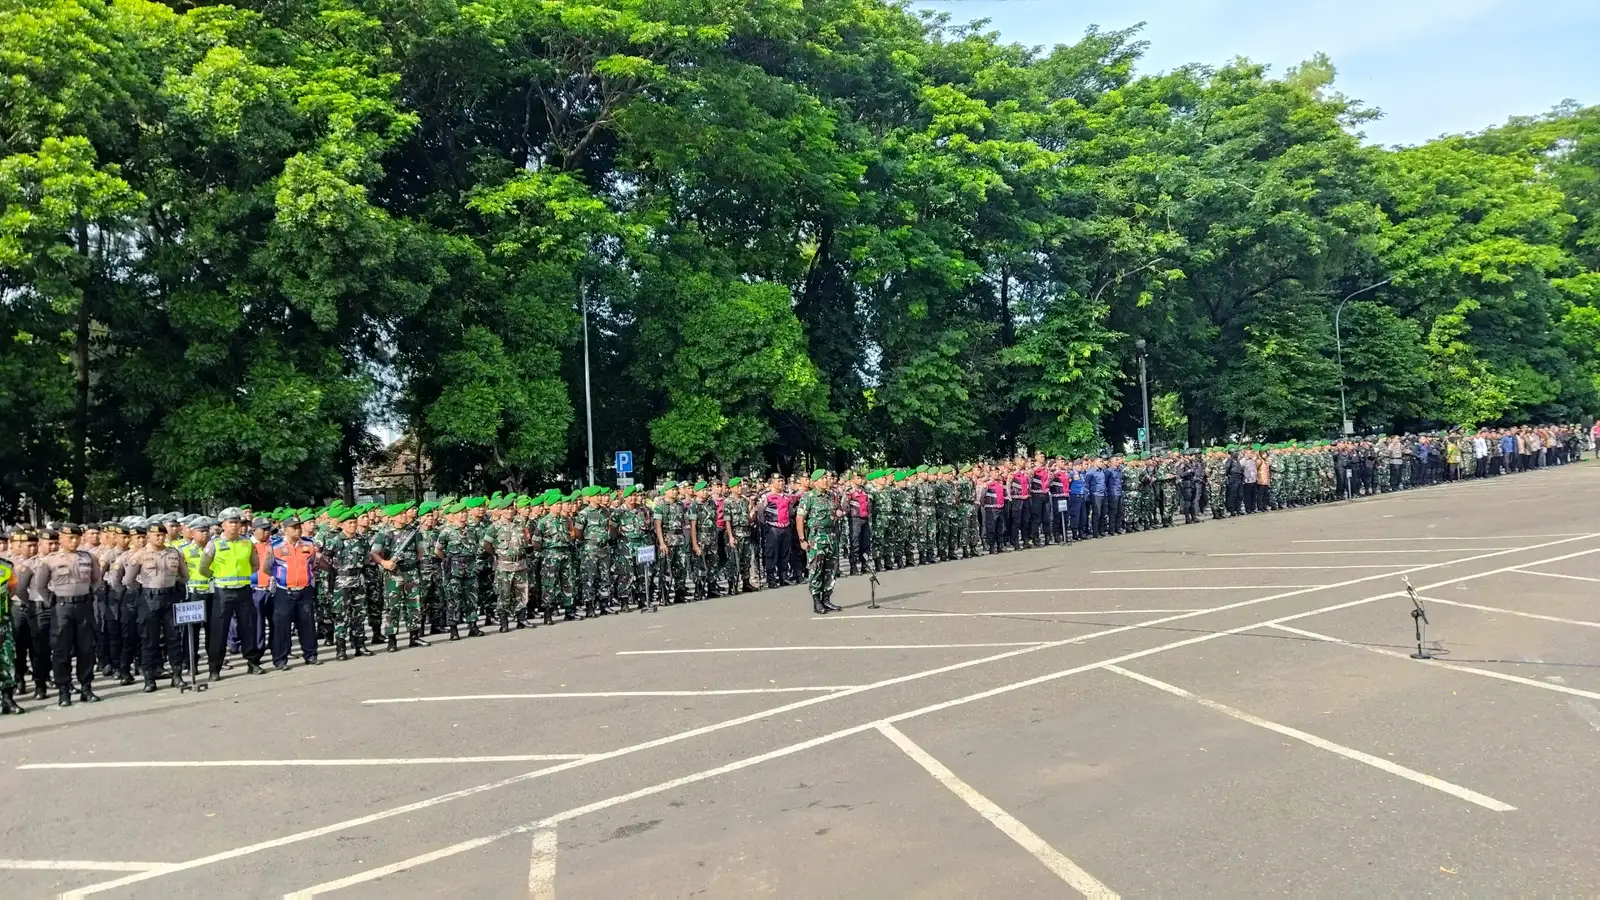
(433, 602)
(822, 560)
(741, 563)
(347, 606)
(674, 569)
(459, 584)
(510, 593)
(402, 603)
(594, 574)
(8, 653)
(555, 579)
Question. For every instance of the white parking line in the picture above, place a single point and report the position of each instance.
(542, 865)
(1176, 589)
(1513, 612)
(1438, 784)
(1471, 670)
(334, 828)
(835, 647)
(996, 615)
(1362, 552)
(1009, 825)
(1480, 537)
(1556, 575)
(291, 763)
(1393, 565)
(80, 865)
(609, 694)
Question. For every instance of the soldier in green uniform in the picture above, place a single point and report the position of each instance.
(347, 553)
(671, 521)
(556, 537)
(399, 553)
(457, 551)
(814, 524)
(8, 645)
(634, 531)
(702, 542)
(741, 539)
(966, 513)
(509, 538)
(595, 531)
(429, 578)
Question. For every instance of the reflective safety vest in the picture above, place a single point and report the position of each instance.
(198, 583)
(6, 574)
(232, 562)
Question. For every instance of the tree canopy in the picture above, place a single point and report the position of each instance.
(238, 241)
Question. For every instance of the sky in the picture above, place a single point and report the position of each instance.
(1432, 66)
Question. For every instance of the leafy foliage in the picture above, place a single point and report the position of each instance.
(237, 241)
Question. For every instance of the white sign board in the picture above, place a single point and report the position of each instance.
(190, 612)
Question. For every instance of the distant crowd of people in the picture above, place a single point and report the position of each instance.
(157, 597)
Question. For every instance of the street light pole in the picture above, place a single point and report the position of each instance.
(588, 399)
(1144, 391)
(1338, 349)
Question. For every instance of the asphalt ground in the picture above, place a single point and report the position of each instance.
(1224, 710)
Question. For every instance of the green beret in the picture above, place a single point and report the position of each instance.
(899, 476)
(818, 474)
(732, 482)
(948, 470)
(524, 502)
(427, 507)
(699, 485)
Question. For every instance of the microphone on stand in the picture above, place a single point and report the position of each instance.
(1419, 619)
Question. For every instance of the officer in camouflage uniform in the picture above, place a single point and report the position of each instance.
(399, 553)
(509, 537)
(430, 578)
(671, 520)
(347, 553)
(702, 542)
(556, 537)
(457, 552)
(736, 517)
(594, 552)
(814, 523)
(8, 645)
(634, 531)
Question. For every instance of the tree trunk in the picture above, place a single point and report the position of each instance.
(80, 419)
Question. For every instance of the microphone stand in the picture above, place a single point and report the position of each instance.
(1419, 619)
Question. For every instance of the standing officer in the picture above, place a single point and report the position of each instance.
(736, 518)
(858, 508)
(346, 552)
(818, 511)
(228, 561)
(292, 565)
(399, 553)
(509, 538)
(71, 577)
(8, 647)
(633, 532)
(159, 572)
(776, 516)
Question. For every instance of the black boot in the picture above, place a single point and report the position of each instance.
(215, 675)
(125, 679)
(827, 604)
(818, 607)
(40, 692)
(361, 648)
(64, 692)
(87, 695)
(149, 685)
(416, 639)
(455, 632)
(8, 702)
(474, 631)
(504, 626)
(549, 615)
(339, 651)
(394, 646)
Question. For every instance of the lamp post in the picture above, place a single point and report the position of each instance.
(1144, 390)
(1338, 349)
(588, 399)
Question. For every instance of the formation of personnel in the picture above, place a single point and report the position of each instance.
(108, 597)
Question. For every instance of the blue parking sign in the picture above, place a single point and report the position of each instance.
(624, 462)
